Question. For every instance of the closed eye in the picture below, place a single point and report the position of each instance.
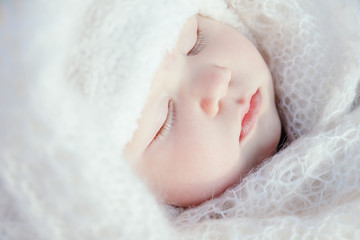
(199, 44)
(168, 123)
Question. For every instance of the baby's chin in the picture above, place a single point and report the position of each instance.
(187, 195)
(263, 146)
(196, 195)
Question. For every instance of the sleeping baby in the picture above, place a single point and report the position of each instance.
(210, 117)
(111, 108)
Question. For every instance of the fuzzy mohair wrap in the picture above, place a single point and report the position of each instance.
(75, 74)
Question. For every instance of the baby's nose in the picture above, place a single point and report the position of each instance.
(211, 86)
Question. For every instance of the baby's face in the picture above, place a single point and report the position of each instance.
(210, 116)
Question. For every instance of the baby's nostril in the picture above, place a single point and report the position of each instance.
(241, 101)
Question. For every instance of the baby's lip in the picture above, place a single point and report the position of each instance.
(249, 119)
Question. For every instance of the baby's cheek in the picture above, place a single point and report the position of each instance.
(191, 170)
(206, 173)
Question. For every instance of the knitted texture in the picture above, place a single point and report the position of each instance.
(310, 189)
(74, 76)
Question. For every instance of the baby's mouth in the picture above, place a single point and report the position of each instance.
(249, 119)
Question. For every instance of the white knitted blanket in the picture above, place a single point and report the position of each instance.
(74, 76)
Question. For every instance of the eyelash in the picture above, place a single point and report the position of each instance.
(170, 118)
(199, 45)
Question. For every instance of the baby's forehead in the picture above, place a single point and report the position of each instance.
(189, 26)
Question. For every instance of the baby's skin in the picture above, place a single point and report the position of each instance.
(210, 116)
